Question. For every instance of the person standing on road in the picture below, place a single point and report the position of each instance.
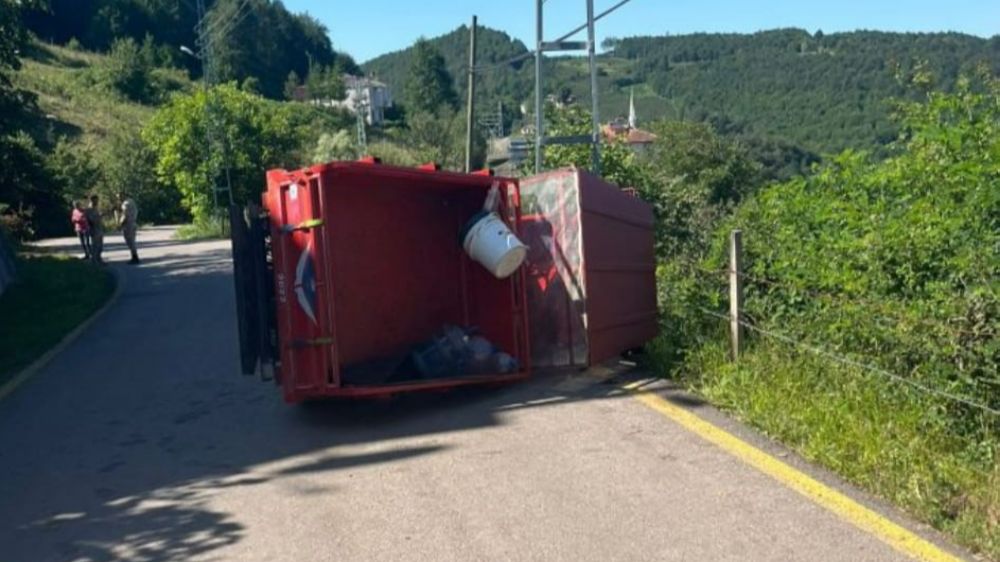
(129, 224)
(96, 223)
(82, 227)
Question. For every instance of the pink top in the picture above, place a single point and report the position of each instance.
(80, 221)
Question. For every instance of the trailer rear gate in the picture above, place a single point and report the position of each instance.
(381, 271)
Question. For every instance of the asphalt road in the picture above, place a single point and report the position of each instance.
(142, 442)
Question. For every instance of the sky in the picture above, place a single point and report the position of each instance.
(369, 28)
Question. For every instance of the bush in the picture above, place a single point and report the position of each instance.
(697, 179)
(338, 146)
(33, 201)
(259, 134)
(128, 165)
(895, 264)
(127, 70)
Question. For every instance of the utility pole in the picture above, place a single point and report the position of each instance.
(207, 56)
(539, 133)
(470, 110)
(560, 44)
(361, 110)
(595, 155)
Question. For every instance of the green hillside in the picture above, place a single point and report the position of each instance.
(820, 92)
(510, 83)
(71, 105)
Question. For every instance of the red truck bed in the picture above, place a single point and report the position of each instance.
(367, 264)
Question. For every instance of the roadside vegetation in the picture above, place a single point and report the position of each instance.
(872, 275)
(872, 312)
(872, 285)
(52, 295)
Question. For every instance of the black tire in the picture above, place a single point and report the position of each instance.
(246, 297)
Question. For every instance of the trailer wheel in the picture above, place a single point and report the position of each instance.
(243, 283)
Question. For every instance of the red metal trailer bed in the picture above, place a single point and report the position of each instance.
(349, 265)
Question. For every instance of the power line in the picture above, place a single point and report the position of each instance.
(223, 25)
(220, 20)
(853, 363)
(531, 53)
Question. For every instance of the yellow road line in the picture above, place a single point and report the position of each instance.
(892, 534)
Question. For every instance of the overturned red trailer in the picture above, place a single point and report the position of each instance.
(351, 266)
(355, 279)
(591, 268)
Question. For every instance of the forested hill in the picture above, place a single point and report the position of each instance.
(825, 92)
(820, 92)
(252, 39)
(512, 83)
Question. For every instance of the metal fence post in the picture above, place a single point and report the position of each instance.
(735, 291)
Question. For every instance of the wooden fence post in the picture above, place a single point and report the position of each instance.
(735, 291)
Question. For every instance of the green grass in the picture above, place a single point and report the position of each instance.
(891, 441)
(202, 230)
(52, 295)
(63, 80)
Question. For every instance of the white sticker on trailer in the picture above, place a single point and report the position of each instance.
(293, 191)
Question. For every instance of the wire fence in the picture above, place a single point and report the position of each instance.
(892, 315)
(847, 361)
(736, 277)
(873, 309)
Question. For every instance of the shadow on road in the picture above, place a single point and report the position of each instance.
(115, 449)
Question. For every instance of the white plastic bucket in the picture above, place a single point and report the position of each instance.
(491, 243)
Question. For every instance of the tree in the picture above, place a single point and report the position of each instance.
(697, 178)
(437, 137)
(428, 86)
(324, 83)
(128, 164)
(259, 134)
(30, 202)
(13, 39)
(338, 146)
(127, 69)
(619, 164)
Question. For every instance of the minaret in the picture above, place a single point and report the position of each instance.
(631, 109)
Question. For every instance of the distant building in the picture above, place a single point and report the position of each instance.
(628, 130)
(367, 95)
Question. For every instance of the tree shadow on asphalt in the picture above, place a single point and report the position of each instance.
(141, 450)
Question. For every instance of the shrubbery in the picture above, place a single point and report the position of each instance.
(127, 70)
(252, 134)
(894, 264)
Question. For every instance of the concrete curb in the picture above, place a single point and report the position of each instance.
(31, 370)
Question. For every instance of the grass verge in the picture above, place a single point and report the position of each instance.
(892, 441)
(202, 230)
(52, 295)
